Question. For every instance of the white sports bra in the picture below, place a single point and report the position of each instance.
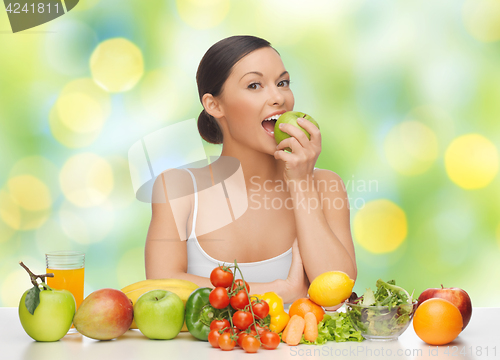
(202, 264)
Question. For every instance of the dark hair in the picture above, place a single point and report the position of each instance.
(213, 71)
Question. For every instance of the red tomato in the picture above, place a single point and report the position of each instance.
(221, 276)
(270, 340)
(250, 344)
(242, 335)
(235, 330)
(261, 309)
(213, 338)
(242, 319)
(219, 324)
(218, 298)
(239, 283)
(239, 300)
(225, 342)
(260, 329)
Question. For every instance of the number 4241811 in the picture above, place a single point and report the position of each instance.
(40, 8)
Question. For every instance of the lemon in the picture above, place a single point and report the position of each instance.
(330, 288)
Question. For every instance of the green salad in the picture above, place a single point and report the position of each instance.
(337, 327)
(389, 310)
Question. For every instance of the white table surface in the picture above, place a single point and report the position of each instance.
(480, 340)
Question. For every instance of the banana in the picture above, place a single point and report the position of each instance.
(162, 282)
(182, 292)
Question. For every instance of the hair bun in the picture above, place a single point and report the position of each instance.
(209, 129)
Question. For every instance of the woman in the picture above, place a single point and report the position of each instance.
(242, 82)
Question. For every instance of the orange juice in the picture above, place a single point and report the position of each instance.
(68, 279)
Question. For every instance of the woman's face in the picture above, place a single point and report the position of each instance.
(257, 88)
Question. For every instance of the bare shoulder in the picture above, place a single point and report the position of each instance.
(172, 184)
(328, 181)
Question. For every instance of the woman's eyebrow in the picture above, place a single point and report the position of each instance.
(260, 74)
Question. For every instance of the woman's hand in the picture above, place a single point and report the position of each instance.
(297, 284)
(300, 163)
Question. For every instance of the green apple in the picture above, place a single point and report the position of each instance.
(290, 117)
(159, 314)
(52, 317)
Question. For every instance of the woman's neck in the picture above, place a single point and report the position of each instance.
(256, 165)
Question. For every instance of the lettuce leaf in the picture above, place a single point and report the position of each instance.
(334, 327)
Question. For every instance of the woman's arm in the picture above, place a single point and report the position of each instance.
(165, 252)
(321, 213)
(323, 225)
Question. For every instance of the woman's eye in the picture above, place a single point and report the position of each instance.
(284, 83)
(253, 86)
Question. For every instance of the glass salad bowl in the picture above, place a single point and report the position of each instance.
(381, 323)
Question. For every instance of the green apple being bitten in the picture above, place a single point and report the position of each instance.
(53, 316)
(290, 117)
(159, 314)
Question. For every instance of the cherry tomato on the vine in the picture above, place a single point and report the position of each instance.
(239, 300)
(242, 319)
(225, 342)
(242, 335)
(213, 338)
(221, 276)
(219, 324)
(219, 298)
(270, 340)
(260, 309)
(259, 328)
(250, 344)
(240, 283)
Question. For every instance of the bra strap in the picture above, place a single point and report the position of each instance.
(195, 203)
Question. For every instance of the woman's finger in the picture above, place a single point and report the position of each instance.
(295, 132)
(282, 155)
(291, 143)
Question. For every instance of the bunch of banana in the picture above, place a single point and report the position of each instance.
(183, 288)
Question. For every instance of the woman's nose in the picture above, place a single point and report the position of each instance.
(275, 96)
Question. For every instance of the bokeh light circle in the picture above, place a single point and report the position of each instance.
(380, 226)
(117, 65)
(202, 14)
(482, 19)
(471, 161)
(29, 193)
(41, 168)
(86, 179)
(17, 217)
(9, 210)
(79, 113)
(411, 148)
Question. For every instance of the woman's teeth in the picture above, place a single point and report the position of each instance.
(274, 117)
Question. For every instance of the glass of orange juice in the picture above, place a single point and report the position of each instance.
(68, 268)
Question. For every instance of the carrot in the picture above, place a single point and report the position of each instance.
(311, 327)
(296, 329)
(285, 331)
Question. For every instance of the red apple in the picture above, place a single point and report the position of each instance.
(457, 296)
(104, 315)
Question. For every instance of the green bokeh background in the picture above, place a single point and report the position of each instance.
(359, 67)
